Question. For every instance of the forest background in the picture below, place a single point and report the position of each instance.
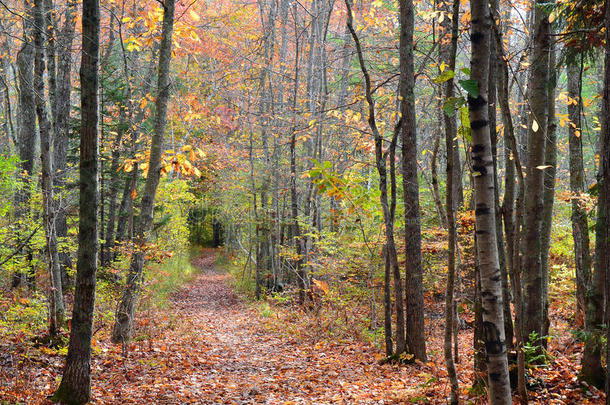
(428, 179)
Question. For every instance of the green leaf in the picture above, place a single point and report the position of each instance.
(451, 104)
(466, 71)
(471, 86)
(464, 117)
(445, 76)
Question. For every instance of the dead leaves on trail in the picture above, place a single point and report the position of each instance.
(209, 347)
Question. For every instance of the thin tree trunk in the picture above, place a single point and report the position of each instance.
(387, 304)
(448, 53)
(126, 311)
(294, 208)
(114, 189)
(592, 370)
(548, 197)
(436, 193)
(493, 72)
(75, 386)
(61, 121)
(514, 221)
(487, 247)
(580, 226)
(388, 216)
(56, 303)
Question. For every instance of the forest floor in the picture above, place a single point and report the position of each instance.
(209, 347)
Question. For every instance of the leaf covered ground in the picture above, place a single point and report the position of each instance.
(209, 347)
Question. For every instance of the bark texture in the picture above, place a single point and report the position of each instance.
(61, 127)
(537, 94)
(592, 370)
(75, 387)
(448, 52)
(548, 196)
(415, 327)
(27, 131)
(580, 226)
(56, 303)
(487, 248)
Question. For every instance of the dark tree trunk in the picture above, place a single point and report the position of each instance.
(448, 54)
(513, 214)
(27, 130)
(537, 94)
(387, 303)
(415, 326)
(109, 237)
(548, 196)
(436, 192)
(580, 226)
(487, 247)
(75, 385)
(61, 121)
(126, 311)
(592, 370)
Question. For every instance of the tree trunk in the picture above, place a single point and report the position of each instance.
(537, 94)
(75, 385)
(387, 303)
(487, 247)
(448, 54)
(109, 237)
(388, 213)
(415, 326)
(513, 220)
(493, 72)
(548, 196)
(592, 370)
(436, 193)
(27, 130)
(126, 311)
(580, 226)
(61, 121)
(56, 303)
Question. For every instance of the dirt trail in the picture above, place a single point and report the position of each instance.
(208, 347)
(214, 350)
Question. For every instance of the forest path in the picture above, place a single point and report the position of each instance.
(215, 349)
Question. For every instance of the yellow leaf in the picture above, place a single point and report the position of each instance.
(542, 167)
(194, 15)
(535, 126)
